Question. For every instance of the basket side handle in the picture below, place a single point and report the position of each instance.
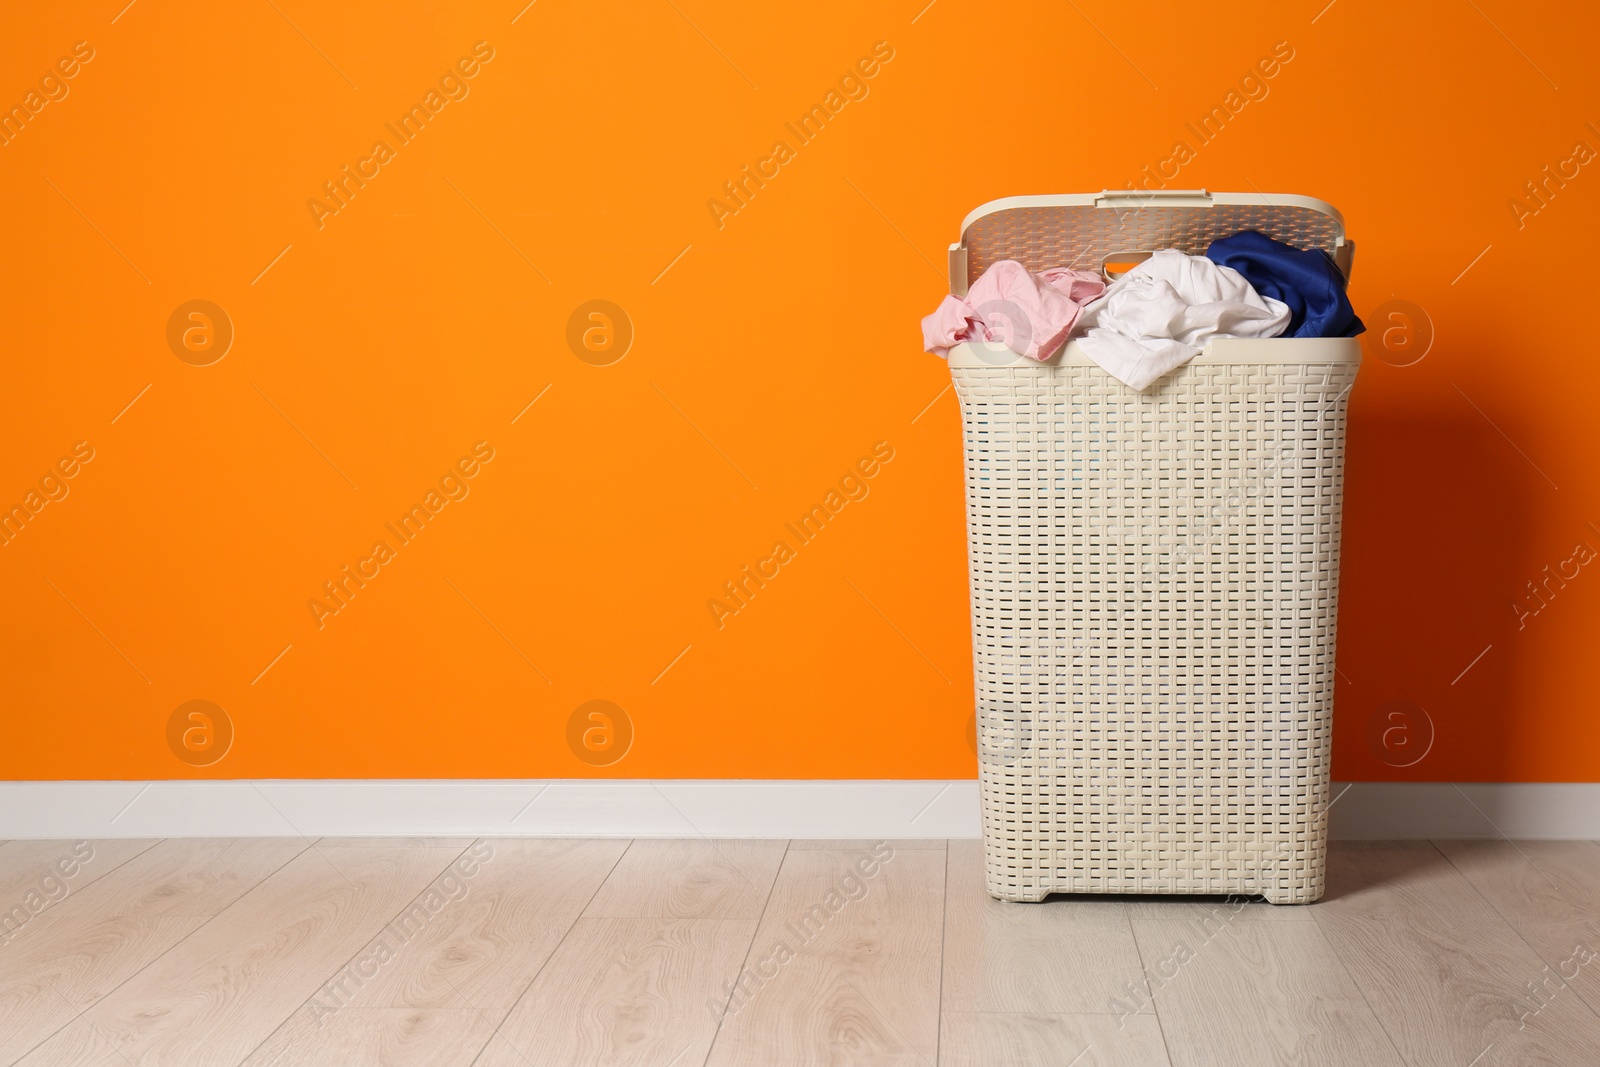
(958, 269)
(1344, 257)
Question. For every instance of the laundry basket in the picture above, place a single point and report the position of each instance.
(1155, 576)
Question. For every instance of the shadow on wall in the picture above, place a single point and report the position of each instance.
(1435, 524)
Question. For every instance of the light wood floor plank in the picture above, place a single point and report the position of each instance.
(78, 952)
(1256, 993)
(218, 994)
(1242, 909)
(1064, 955)
(457, 843)
(196, 952)
(626, 991)
(494, 928)
(903, 845)
(1442, 971)
(37, 875)
(992, 1039)
(845, 966)
(1549, 893)
(689, 879)
(379, 1037)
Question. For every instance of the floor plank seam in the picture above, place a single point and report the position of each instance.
(287, 1019)
(1362, 993)
(1144, 974)
(159, 956)
(944, 919)
(1506, 919)
(71, 896)
(748, 951)
(509, 1012)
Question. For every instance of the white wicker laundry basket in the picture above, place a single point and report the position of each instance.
(1155, 578)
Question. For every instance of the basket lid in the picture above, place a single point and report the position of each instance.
(1083, 230)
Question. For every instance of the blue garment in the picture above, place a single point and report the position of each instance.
(1308, 282)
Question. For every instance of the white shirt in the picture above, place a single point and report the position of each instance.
(1164, 311)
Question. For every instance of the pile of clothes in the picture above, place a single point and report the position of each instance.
(1158, 315)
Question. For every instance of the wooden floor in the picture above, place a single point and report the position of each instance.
(508, 953)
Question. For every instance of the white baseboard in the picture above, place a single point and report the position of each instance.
(417, 808)
(717, 808)
(1530, 811)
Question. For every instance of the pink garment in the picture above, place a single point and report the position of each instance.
(1031, 314)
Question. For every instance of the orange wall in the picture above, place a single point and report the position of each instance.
(773, 349)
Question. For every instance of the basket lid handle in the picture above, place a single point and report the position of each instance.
(1133, 199)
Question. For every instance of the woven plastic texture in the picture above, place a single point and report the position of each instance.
(1081, 237)
(1155, 587)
